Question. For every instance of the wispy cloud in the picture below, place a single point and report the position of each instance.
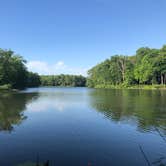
(57, 68)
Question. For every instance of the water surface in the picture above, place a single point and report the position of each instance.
(81, 126)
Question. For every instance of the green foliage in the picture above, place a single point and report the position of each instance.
(144, 71)
(63, 80)
(5, 87)
(148, 67)
(12, 69)
(33, 79)
(13, 72)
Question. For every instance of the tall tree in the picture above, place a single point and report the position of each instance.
(147, 66)
(12, 69)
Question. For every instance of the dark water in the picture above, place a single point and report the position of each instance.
(77, 126)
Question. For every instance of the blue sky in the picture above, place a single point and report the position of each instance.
(70, 36)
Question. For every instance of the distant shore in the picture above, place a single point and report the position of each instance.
(6, 88)
(152, 87)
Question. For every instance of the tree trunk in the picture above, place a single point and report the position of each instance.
(123, 75)
(165, 78)
(122, 65)
(162, 80)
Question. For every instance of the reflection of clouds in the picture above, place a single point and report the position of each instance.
(51, 103)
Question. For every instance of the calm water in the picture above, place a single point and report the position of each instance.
(77, 126)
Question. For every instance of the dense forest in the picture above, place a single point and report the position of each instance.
(14, 74)
(13, 71)
(147, 66)
(63, 80)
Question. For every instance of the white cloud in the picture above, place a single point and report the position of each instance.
(56, 68)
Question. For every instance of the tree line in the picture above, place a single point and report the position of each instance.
(14, 74)
(147, 66)
(13, 71)
(63, 80)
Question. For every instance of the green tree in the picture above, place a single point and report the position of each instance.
(147, 66)
(33, 80)
(12, 69)
(63, 80)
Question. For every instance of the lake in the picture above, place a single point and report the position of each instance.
(83, 127)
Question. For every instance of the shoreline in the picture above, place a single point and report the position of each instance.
(141, 87)
(136, 87)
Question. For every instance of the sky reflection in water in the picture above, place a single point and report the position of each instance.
(74, 126)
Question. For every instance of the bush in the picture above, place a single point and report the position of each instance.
(5, 87)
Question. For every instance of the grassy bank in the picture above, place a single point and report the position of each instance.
(106, 86)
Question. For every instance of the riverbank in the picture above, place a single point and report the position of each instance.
(8, 88)
(104, 86)
(5, 87)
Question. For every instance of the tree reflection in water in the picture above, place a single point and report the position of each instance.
(12, 106)
(144, 108)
